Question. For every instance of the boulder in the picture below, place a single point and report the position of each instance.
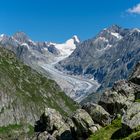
(98, 113)
(84, 123)
(52, 125)
(119, 98)
(45, 136)
(55, 124)
(135, 77)
(131, 118)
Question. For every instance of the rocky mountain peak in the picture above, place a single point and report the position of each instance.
(2, 36)
(21, 37)
(76, 39)
(113, 32)
(114, 28)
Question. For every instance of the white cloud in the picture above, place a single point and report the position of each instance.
(135, 9)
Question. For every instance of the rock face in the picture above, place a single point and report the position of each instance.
(108, 57)
(120, 97)
(135, 77)
(131, 118)
(77, 127)
(98, 113)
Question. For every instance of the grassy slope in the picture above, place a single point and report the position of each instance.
(113, 131)
(28, 89)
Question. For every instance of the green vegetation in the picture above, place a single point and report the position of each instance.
(114, 131)
(10, 128)
(138, 100)
(24, 95)
(15, 131)
(30, 87)
(105, 133)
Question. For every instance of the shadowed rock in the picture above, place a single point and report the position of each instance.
(98, 113)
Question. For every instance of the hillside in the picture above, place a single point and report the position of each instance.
(115, 117)
(24, 93)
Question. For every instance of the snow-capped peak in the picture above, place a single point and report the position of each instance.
(50, 43)
(68, 47)
(2, 35)
(70, 42)
(76, 39)
(136, 29)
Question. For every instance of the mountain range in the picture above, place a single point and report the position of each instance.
(81, 68)
(108, 57)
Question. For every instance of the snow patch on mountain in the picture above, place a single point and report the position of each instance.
(117, 35)
(2, 35)
(102, 38)
(76, 38)
(25, 44)
(68, 47)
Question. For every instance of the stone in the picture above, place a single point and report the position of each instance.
(84, 123)
(131, 118)
(135, 77)
(98, 113)
(119, 98)
(45, 136)
(55, 124)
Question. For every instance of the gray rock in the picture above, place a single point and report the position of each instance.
(119, 98)
(55, 124)
(135, 77)
(131, 119)
(98, 113)
(84, 123)
(45, 136)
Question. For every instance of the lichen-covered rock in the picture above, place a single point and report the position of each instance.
(119, 98)
(98, 113)
(84, 123)
(131, 118)
(78, 126)
(45, 136)
(55, 124)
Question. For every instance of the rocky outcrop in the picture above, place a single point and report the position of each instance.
(84, 123)
(55, 124)
(98, 113)
(131, 118)
(135, 77)
(120, 97)
(79, 126)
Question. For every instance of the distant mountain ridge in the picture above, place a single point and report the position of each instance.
(108, 57)
(29, 50)
(81, 68)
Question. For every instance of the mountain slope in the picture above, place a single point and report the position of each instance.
(24, 93)
(108, 57)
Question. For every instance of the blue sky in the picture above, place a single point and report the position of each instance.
(58, 20)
